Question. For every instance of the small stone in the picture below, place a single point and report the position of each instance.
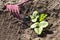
(37, 38)
(25, 37)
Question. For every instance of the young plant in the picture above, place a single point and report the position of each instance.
(42, 17)
(34, 16)
(40, 25)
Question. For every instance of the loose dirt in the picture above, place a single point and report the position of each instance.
(11, 28)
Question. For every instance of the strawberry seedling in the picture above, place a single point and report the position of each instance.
(38, 26)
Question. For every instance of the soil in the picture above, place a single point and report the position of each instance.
(11, 28)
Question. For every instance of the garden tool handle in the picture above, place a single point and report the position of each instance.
(22, 2)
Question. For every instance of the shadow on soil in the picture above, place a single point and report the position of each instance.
(45, 32)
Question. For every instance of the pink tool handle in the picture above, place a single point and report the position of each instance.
(22, 2)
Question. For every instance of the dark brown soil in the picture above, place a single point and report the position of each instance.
(11, 28)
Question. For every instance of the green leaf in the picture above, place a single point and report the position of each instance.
(38, 30)
(43, 24)
(35, 13)
(31, 17)
(42, 17)
(35, 19)
(34, 16)
(34, 25)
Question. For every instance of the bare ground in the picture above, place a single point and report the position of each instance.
(11, 28)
